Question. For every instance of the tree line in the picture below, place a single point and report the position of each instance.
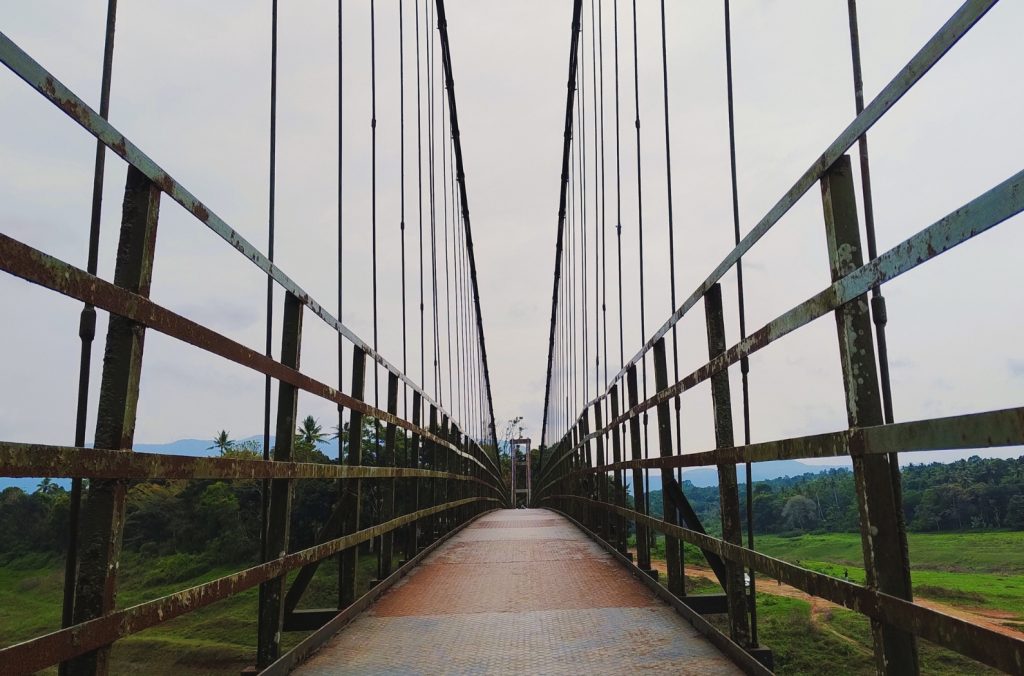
(216, 520)
(971, 494)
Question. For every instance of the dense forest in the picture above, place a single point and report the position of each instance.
(972, 494)
(204, 521)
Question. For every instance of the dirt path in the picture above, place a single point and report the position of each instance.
(996, 620)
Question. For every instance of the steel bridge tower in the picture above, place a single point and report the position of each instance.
(525, 487)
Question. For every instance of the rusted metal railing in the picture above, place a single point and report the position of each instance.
(452, 469)
(594, 492)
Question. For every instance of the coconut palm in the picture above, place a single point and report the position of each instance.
(311, 432)
(222, 442)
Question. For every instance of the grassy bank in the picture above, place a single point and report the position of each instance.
(220, 638)
(981, 573)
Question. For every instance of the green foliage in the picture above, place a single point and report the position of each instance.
(973, 494)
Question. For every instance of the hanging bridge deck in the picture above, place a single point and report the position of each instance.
(519, 591)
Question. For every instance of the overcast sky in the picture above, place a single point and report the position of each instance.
(191, 88)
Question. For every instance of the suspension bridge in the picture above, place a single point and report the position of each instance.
(463, 581)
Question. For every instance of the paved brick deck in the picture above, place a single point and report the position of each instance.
(518, 592)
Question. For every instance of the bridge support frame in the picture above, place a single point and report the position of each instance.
(621, 527)
(271, 609)
(432, 461)
(387, 541)
(728, 490)
(352, 493)
(103, 511)
(603, 520)
(413, 453)
(673, 558)
(643, 551)
(877, 479)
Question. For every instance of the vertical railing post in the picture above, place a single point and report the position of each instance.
(387, 540)
(577, 463)
(728, 490)
(876, 477)
(586, 462)
(456, 468)
(434, 490)
(643, 552)
(467, 469)
(103, 513)
(446, 466)
(668, 479)
(570, 470)
(352, 502)
(271, 611)
(412, 545)
(621, 528)
(601, 477)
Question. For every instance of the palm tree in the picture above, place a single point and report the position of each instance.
(310, 432)
(222, 442)
(47, 487)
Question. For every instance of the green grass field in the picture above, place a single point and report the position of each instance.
(993, 552)
(220, 638)
(983, 572)
(969, 570)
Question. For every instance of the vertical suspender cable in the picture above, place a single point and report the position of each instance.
(604, 222)
(640, 231)
(618, 185)
(445, 185)
(401, 152)
(878, 312)
(433, 205)
(671, 239)
(419, 201)
(456, 306)
(341, 234)
(744, 363)
(572, 372)
(596, 191)
(87, 323)
(584, 360)
(373, 196)
(270, 252)
(265, 492)
(618, 199)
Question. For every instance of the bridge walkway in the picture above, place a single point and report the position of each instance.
(518, 591)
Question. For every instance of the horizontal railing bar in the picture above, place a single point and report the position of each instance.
(43, 651)
(980, 214)
(40, 268)
(39, 460)
(979, 643)
(33, 73)
(987, 429)
(941, 42)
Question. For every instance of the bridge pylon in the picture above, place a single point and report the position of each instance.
(521, 483)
